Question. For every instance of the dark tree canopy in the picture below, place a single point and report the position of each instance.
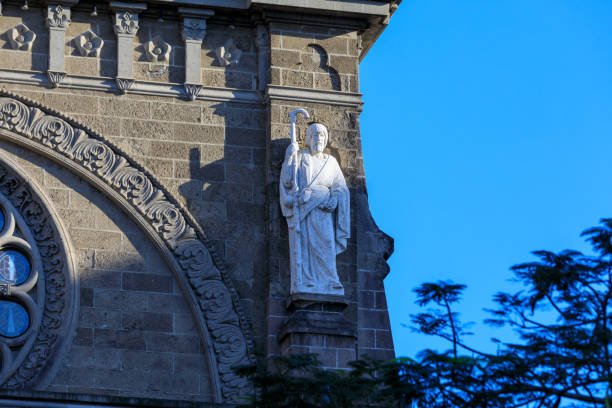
(560, 358)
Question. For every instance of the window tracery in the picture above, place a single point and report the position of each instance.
(21, 290)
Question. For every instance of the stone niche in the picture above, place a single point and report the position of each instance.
(141, 147)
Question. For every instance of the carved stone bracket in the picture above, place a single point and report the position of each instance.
(55, 78)
(187, 250)
(124, 84)
(192, 91)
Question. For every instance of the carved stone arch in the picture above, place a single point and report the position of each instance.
(209, 291)
(314, 58)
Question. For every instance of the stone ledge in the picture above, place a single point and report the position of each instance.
(309, 322)
(316, 314)
(301, 300)
(314, 96)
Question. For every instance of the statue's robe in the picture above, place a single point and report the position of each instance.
(321, 234)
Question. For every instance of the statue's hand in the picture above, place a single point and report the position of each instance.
(287, 180)
(304, 195)
(330, 205)
(291, 149)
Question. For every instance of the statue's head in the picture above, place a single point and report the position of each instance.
(317, 137)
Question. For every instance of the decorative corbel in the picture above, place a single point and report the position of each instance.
(194, 31)
(126, 24)
(57, 21)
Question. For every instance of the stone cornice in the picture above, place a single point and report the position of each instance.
(347, 7)
(141, 88)
(351, 7)
(313, 96)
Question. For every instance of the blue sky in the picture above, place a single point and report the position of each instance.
(487, 134)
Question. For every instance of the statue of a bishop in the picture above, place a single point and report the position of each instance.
(316, 203)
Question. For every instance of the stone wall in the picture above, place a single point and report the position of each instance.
(36, 59)
(135, 333)
(210, 155)
(323, 58)
(312, 57)
(220, 157)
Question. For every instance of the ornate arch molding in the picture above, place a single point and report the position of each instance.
(211, 294)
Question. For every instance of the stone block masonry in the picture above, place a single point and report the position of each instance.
(156, 135)
(133, 328)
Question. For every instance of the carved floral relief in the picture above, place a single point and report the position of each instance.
(194, 29)
(126, 23)
(157, 51)
(228, 54)
(89, 44)
(21, 38)
(58, 16)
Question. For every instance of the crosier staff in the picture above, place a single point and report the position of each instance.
(296, 189)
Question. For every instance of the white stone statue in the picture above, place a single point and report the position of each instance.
(316, 203)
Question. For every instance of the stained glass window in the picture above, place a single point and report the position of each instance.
(15, 270)
(14, 267)
(14, 319)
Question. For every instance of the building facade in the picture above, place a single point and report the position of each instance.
(143, 252)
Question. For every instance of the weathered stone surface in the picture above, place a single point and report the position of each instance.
(118, 308)
(140, 328)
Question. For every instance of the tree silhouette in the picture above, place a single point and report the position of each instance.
(561, 357)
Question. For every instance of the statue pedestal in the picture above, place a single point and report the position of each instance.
(316, 325)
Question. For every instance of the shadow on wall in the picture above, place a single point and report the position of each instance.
(313, 58)
(28, 38)
(135, 335)
(226, 193)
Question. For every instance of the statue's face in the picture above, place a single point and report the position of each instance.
(317, 141)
